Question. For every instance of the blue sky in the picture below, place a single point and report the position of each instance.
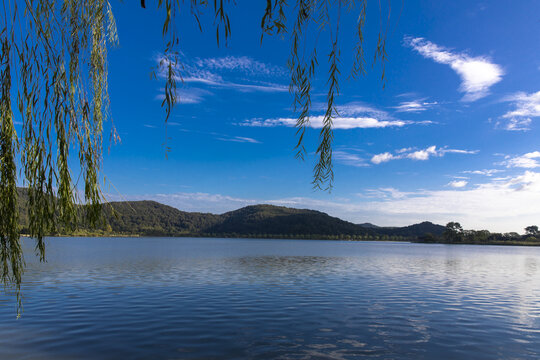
(452, 136)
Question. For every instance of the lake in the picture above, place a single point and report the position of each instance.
(183, 298)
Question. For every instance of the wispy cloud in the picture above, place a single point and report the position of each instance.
(477, 74)
(188, 95)
(526, 107)
(353, 115)
(221, 136)
(357, 108)
(388, 193)
(242, 64)
(421, 155)
(518, 124)
(316, 122)
(485, 172)
(239, 139)
(350, 159)
(414, 106)
(218, 82)
(242, 74)
(527, 161)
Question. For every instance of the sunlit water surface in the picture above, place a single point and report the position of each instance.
(166, 298)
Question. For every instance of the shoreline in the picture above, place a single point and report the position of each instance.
(321, 238)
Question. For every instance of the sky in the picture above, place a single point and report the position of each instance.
(451, 136)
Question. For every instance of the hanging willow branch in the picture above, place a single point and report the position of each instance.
(312, 21)
(54, 63)
(53, 67)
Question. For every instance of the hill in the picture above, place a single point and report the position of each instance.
(279, 220)
(153, 218)
(415, 230)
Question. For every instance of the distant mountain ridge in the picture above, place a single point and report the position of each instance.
(150, 218)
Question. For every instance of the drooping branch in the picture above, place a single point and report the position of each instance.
(54, 58)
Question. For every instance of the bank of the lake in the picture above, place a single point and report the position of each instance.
(414, 240)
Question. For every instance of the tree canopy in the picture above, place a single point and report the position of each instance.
(53, 66)
(531, 230)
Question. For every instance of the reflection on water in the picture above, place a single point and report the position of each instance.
(282, 299)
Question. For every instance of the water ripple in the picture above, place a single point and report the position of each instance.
(261, 299)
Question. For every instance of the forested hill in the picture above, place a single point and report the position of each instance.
(150, 218)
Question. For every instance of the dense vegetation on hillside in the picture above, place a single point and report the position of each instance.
(278, 220)
(152, 218)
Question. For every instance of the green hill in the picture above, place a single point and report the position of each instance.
(153, 218)
(413, 230)
(279, 220)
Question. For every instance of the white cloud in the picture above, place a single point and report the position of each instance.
(458, 183)
(414, 106)
(401, 151)
(347, 158)
(526, 107)
(517, 124)
(421, 155)
(458, 151)
(239, 139)
(353, 115)
(316, 122)
(384, 193)
(219, 136)
(357, 108)
(477, 74)
(384, 157)
(527, 161)
(243, 64)
(188, 96)
(485, 172)
(242, 87)
(241, 74)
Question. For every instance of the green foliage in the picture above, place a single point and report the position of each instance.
(54, 63)
(454, 233)
(532, 230)
(278, 220)
(10, 248)
(412, 231)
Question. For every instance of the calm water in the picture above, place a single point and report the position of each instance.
(274, 299)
